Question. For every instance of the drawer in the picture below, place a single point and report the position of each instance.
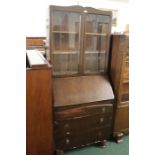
(74, 112)
(90, 136)
(73, 126)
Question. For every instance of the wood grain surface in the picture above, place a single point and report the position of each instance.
(39, 130)
(81, 89)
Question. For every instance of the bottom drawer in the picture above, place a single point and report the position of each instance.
(82, 131)
(84, 138)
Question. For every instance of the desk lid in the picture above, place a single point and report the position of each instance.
(81, 89)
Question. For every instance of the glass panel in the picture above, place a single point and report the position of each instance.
(64, 64)
(66, 21)
(96, 30)
(95, 43)
(94, 62)
(95, 54)
(96, 23)
(66, 43)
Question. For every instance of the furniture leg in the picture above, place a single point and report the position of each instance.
(119, 137)
(59, 152)
(102, 143)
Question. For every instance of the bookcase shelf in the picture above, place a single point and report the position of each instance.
(65, 32)
(94, 52)
(65, 52)
(96, 34)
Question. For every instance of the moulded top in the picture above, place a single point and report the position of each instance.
(78, 8)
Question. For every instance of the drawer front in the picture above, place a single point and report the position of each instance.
(83, 138)
(82, 131)
(75, 125)
(87, 110)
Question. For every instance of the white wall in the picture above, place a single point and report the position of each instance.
(37, 13)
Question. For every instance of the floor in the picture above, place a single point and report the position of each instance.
(112, 148)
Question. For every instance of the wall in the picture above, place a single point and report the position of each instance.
(37, 12)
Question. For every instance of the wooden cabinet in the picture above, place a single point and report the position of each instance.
(39, 128)
(78, 39)
(120, 80)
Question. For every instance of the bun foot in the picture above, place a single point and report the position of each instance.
(119, 137)
(102, 143)
(59, 152)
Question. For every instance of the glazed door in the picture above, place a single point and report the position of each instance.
(65, 42)
(96, 34)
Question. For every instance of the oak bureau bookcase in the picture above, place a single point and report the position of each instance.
(78, 49)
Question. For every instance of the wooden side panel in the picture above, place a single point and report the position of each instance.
(122, 119)
(39, 131)
(116, 61)
(120, 81)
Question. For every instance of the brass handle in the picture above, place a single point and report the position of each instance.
(103, 109)
(66, 125)
(67, 141)
(67, 133)
(99, 133)
(101, 120)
